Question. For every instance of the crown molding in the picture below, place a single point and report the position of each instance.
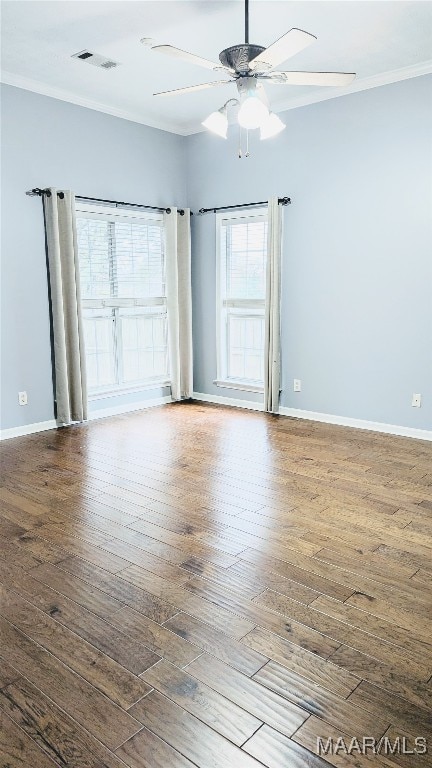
(363, 84)
(26, 83)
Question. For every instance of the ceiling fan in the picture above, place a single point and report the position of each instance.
(249, 66)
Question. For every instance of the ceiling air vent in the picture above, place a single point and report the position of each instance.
(95, 59)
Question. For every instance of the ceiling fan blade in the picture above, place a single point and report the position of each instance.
(291, 43)
(177, 53)
(311, 78)
(192, 88)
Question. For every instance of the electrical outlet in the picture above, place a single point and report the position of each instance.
(416, 401)
(22, 398)
(297, 385)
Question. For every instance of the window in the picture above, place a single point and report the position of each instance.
(242, 256)
(123, 297)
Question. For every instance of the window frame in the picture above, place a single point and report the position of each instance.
(106, 213)
(223, 304)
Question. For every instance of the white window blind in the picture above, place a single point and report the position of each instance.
(123, 295)
(242, 246)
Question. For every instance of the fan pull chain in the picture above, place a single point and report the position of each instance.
(240, 150)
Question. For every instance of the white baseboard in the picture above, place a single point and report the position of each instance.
(118, 410)
(327, 418)
(27, 429)
(296, 413)
(43, 426)
(371, 426)
(232, 401)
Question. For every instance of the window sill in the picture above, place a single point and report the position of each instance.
(241, 385)
(157, 384)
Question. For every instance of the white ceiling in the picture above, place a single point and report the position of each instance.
(381, 41)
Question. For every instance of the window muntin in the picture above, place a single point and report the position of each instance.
(123, 295)
(242, 256)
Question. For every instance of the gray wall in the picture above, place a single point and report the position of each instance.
(357, 269)
(357, 273)
(47, 142)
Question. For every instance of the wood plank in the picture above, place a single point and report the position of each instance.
(146, 750)
(295, 631)
(402, 713)
(272, 558)
(57, 734)
(374, 625)
(281, 582)
(157, 638)
(354, 581)
(154, 584)
(195, 566)
(82, 548)
(17, 750)
(11, 551)
(321, 703)
(314, 729)
(144, 559)
(340, 632)
(130, 653)
(41, 549)
(217, 616)
(18, 516)
(247, 693)
(103, 673)
(101, 717)
(200, 700)
(217, 643)
(274, 750)
(369, 563)
(401, 742)
(410, 618)
(388, 676)
(306, 664)
(189, 736)
(75, 589)
(120, 590)
(7, 674)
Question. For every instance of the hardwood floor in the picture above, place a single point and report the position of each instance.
(202, 586)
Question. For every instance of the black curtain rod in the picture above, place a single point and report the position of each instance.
(39, 192)
(281, 201)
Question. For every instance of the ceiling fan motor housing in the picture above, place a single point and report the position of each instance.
(238, 57)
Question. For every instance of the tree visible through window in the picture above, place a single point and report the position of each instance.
(123, 295)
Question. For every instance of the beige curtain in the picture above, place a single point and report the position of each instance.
(179, 301)
(67, 328)
(272, 308)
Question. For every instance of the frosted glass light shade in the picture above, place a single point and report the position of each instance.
(252, 113)
(272, 126)
(217, 123)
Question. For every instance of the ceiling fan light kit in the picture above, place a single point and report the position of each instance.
(271, 127)
(217, 122)
(252, 113)
(248, 66)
